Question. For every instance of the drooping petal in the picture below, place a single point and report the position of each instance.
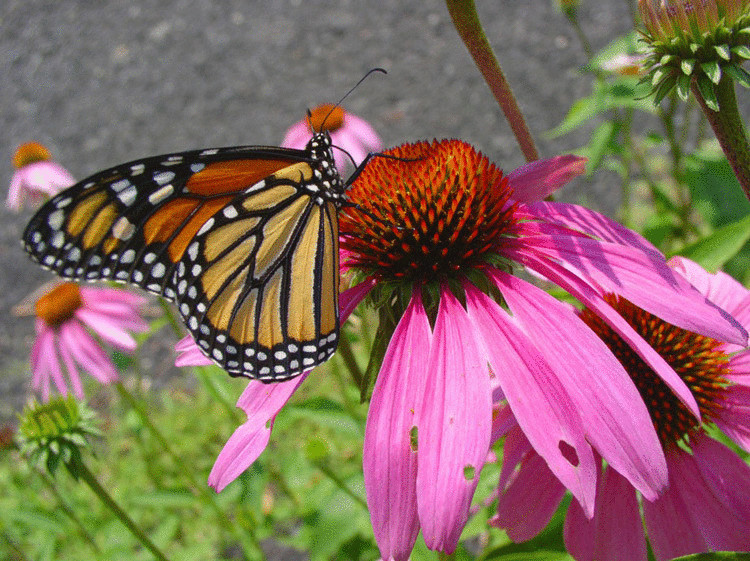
(363, 131)
(587, 222)
(190, 354)
(706, 507)
(107, 328)
(87, 353)
(719, 288)
(527, 505)
(455, 419)
(591, 298)
(615, 418)
(637, 276)
(70, 367)
(615, 532)
(727, 478)
(535, 180)
(260, 402)
(390, 455)
(540, 402)
(733, 416)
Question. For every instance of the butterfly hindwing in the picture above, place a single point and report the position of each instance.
(258, 287)
(243, 239)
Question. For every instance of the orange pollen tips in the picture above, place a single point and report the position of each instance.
(426, 211)
(326, 117)
(30, 153)
(59, 304)
(697, 359)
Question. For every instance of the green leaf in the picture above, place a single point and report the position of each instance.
(706, 88)
(683, 86)
(162, 499)
(739, 75)
(712, 69)
(741, 51)
(715, 250)
(716, 556)
(687, 65)
(723, 51)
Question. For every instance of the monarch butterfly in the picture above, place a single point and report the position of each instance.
(244, 240)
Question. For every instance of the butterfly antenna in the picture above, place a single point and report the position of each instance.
(340, 101)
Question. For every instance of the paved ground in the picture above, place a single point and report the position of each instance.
(105, 82)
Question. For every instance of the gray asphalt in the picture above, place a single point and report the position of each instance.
(105, 82)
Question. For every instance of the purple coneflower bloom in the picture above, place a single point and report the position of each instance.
(707, 505)
(66, 318)
(348, 132)
(37, 176)
(431, 226)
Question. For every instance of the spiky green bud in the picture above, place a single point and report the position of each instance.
(55, 432)
(695, 41)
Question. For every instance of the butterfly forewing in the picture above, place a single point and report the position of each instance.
(244, 240)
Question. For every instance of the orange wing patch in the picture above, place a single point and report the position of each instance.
(230, 176)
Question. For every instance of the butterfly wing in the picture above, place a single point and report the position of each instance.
(258, 285)
(135, 222)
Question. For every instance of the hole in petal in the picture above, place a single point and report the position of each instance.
(568, 452)
(413, 438)
(469, 472)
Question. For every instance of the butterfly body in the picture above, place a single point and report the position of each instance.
(243, 240)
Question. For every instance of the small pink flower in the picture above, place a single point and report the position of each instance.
(348, 132)
(707, 504)
(37, 176)
(66, 317)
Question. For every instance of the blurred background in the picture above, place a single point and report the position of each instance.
(102, 83)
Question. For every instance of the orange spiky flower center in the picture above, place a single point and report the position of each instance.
(426, 211)
(59, 304)
(327, 117)
(30, 153)
(697, 359)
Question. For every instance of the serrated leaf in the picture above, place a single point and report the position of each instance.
(712, 69)
(706, 89)
(723, 51)
(715, 250)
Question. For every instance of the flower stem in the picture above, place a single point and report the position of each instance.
(729, 129)
(78, 468)
(466, 21)
(204, 493)
(341, 484)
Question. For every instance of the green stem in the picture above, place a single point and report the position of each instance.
(205, 494)
(79, 469)
(466, 21)
(68, 510)
(571, 14)
(171, 318)
(341, 484)
(729, 129)
(14, 547)
(350, 361)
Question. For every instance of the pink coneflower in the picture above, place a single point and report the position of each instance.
(707, 504)
(66, 317)
(37, 176)
(427, 229)
(348, 132)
